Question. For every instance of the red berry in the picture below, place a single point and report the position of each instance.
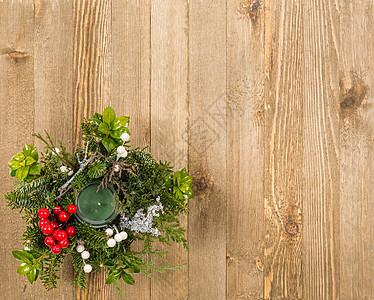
(57, 210)
(43, 213)
(43, 222)
(49, 241)
(47, 229)
(60, 235)
(54, 224)
(56, 249)
(64, 243)
(63, 216)
(70, 231)
(72, 209)
(55, 233)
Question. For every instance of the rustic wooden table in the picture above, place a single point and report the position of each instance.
(269, 105)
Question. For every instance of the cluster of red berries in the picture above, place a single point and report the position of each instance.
(56, 237)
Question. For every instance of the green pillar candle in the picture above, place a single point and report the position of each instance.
(96, 207)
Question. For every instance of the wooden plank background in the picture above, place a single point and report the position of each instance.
(269, 105)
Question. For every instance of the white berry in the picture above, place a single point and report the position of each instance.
(118, 237)
(111, 243)
(80, 248)
(71, 173)
(116, 168)
(87, 268)
(123, 235)
(123, 155)
(85, 254)
(125, 136)
(57, 151)
(109, 231)
(64, 169)
(121, 149)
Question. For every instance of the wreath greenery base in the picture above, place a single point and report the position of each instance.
(149, 197)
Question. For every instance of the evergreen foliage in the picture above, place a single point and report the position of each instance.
(140, 183)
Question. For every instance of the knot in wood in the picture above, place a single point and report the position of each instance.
(292, 228)
(347, 103)
(250, 8)
(200, 184)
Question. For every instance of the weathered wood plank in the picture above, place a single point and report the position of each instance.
(91, 91)
(91, 59)
(321, 249)
(284, 108)
(17, 29)
(131, 33)
(169, 113)
(245, 149)
(53, 92)
(301, 160)
(207, 149)
(350, 27)
(54, 83)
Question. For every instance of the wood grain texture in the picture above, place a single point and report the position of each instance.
(53, 94)
(91, 92)
(321, 197)
(131, 71)
(302, 170)
(284, 111)
(169, 113)
(91, 59)
(17, 124)
(352, 26)
(245, 150)
(207, 149)
(268, 103)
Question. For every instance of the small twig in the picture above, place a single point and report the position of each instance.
(86, 152)
(63, 189)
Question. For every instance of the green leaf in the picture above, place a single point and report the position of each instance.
(31, 275)
(119, 122)
(183, 172)
(130, 270)
(186, 180)
(29, 160)
(37, 274)
(13, 173)
(128, 278)
(184, 188)
(96, 118)
(117, 133)
(14, 165)
(187, 190)
(109, 115)
(35, 169)
(30, 150)
(176, 178)
(22, 172)
(19, 157)
(108, 143)
(113, 277)
(38, 265)
(104, 128)
(24, 268)
(22, 256)
(178, 193)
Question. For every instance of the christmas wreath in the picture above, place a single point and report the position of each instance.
(93, 204)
